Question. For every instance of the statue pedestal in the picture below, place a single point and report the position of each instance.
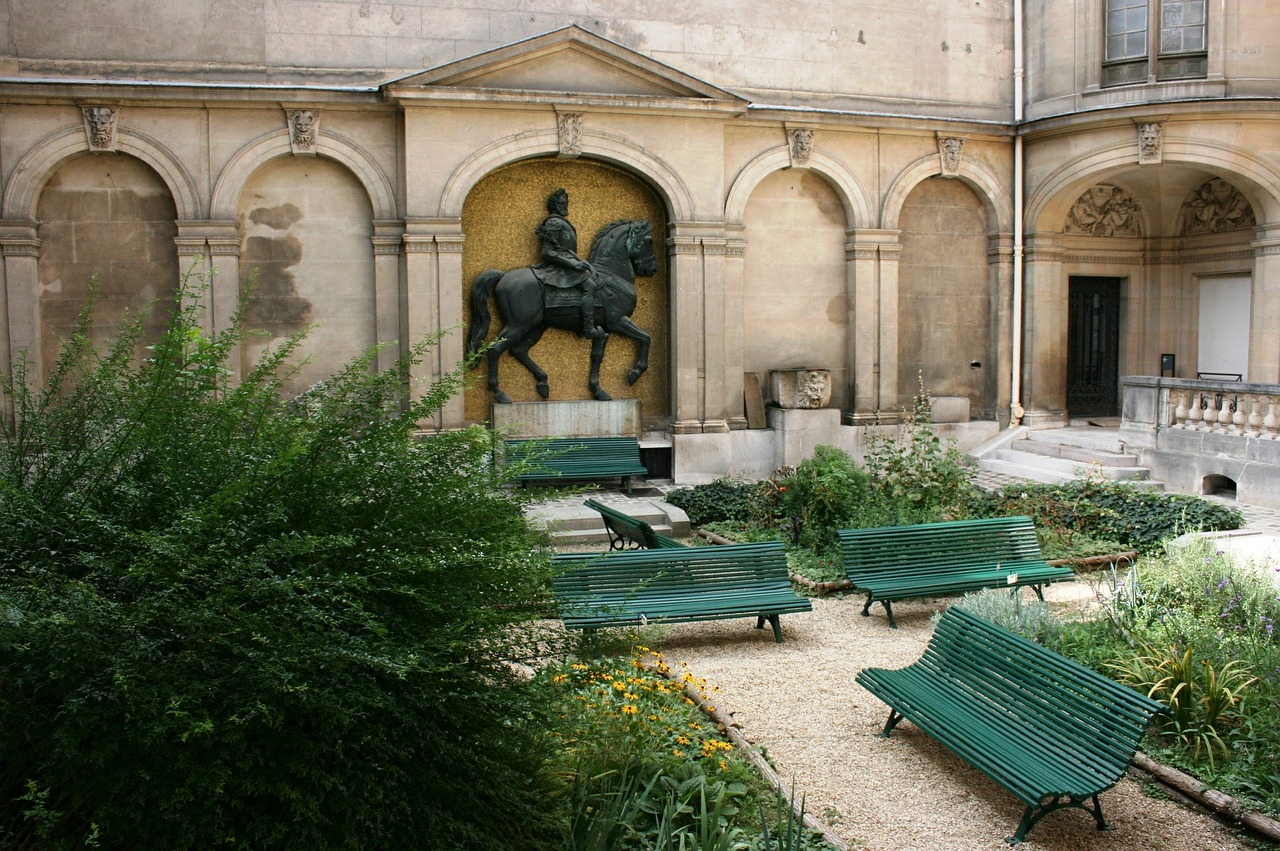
(568, 419)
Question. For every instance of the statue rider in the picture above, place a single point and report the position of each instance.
(561, 266)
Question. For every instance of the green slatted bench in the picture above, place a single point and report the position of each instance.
(571, 458)
(627, 531)
(1054, 733)
(674, 585)
(945, 559)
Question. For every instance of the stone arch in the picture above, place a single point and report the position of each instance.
(232, 180)
(980, 178)
(534, 143)
(857, 206)
(34, 170)
(1047, 206)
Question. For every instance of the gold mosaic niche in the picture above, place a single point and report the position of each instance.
(498, 221)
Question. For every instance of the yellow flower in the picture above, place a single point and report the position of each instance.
(682, 740)
(677, 752)
(620, 686)
(578, 666)
(559, 678)
(629, 710)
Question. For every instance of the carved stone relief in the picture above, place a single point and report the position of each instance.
(1105, 210)
(802, 388)
(100, 125)
(1150, 142)
(1216, 206)
(304, 129)
(800, 145)
(569, 132)
(951, 151)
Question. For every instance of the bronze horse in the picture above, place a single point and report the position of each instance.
(620, 252)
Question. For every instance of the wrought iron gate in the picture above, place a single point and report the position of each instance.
(1093, 347)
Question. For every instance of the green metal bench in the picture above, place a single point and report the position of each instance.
(944, 559)
(627, 531)
(674, 585)
(1052, 732)
(570, 458)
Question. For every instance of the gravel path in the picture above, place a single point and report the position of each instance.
(799, 702)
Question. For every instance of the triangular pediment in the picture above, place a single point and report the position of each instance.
(569, 61)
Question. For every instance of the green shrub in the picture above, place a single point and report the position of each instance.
(232, 621)
(1137, 518)
(819, 497)
(916, 477)
(722, 500)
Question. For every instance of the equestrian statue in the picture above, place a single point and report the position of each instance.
(593, 297)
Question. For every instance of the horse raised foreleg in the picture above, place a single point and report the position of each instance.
(629, 329)
(597, 357)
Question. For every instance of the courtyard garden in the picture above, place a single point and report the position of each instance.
(232, 617)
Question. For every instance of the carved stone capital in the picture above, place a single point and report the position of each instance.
(800, 145)
(1150, 143)
(569, 134)
(100, 127)
(950, 154)
(304, 130)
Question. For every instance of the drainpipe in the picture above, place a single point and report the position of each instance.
(1016, 410)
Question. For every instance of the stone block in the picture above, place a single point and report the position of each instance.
(801, 388)
(949, 409)
(568, 419)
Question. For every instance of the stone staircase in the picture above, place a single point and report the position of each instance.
(569, 522)
(1061, 455)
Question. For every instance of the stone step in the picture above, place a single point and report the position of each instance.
(1072, 452)
(1067, 467)
(1097, 439)
(568, 521)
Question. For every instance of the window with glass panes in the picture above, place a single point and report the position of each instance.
(1180, 44)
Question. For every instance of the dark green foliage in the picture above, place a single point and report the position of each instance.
(821, 496)
(721, 500)
(1135, 517)
(228, 621)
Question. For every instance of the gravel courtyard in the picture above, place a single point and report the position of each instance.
(799, 702)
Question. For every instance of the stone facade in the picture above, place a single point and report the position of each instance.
(898, 196)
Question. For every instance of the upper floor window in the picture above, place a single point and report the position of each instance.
(1173, 31)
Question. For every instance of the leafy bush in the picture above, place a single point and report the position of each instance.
(1137, 518)
(819, 497)
(916, 477)
(722, 500)
(232, 621)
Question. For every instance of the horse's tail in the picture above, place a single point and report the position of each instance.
(480, 288)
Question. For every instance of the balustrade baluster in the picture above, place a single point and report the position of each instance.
(1255, 417)
(1270, 421)
(1196, 414)
(1180, 412)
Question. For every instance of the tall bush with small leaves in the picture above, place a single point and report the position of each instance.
(916, 477)
(234, 620)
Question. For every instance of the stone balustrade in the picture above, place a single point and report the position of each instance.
(1248, 410)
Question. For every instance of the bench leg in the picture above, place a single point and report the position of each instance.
(1034, 813)
(894, 717)
(888, 610)
(775, 621)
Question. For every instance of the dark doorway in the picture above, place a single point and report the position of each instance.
(1093, 347)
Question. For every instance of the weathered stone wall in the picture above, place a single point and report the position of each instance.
(911, 56)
